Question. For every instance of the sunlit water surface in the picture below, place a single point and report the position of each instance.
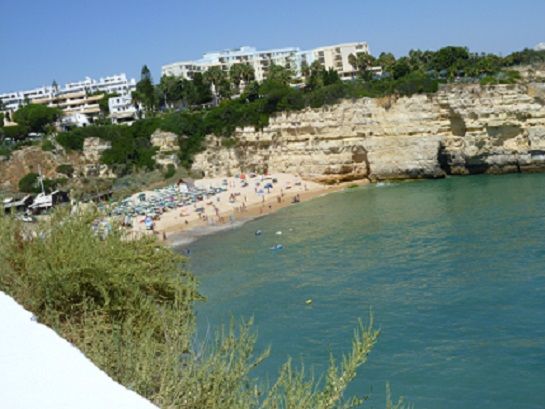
(453, 269)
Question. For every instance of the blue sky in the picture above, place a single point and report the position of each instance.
(67, 40)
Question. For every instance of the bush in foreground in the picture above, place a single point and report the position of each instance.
(127, 304)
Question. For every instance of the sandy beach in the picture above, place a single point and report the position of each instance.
(242, 200)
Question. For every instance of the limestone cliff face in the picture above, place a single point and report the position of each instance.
(93, 148)
(34, 159)
(167, 148)
(26, 160)
(461, 129)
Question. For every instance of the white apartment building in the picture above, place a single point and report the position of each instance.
(118, 84)
(259, 60)
(122, 109)
(335, 56)
(74, 97)
(12, 100)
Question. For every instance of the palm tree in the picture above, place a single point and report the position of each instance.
(241, 72)
(305, 69)
(361, 62)
(248, 73)
(215, 76)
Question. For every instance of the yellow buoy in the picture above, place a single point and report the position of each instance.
(309, 301)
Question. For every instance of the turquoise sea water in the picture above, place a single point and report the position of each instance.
(454, 270)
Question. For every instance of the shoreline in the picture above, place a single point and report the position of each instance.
(178, 230)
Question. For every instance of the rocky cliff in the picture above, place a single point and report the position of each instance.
(29, 159)
(34, 159)
(167, 148)
(90, 165)
(461, 129)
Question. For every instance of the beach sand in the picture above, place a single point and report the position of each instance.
(235, 206)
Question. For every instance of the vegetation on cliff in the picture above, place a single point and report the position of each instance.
(175, 104)
(128, 305)
(190, 109)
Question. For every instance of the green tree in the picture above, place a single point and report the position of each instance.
(103, 104)
(386, 61)
(447, 58)
(420, 60)
(145, 91)
(17, 132)
(279, 74)
(401, 68)
(482, 65)
(315, 78)
(305, 69)
(239, 72)
(330, 77)
(36, 116)
(218, 78)
(172, 90)
(1, 119)
(199, 91)
(361, 62)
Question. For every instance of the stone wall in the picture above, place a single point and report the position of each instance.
(461, 129)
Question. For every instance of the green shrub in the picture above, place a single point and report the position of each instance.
(127, 304)
(509, 77)
(228, 143)
(16, 132)
(65, 169)
(70, 141)
(47, 145)
(326, 95)
(171, 170)
(416, 83)
(29, 183)
(5, 151)
(488, 80)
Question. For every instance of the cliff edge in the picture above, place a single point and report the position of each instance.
(462, 129)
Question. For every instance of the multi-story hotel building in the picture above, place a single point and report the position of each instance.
(122, 109)
(335, 57)
(78, 100)
(259, 60)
